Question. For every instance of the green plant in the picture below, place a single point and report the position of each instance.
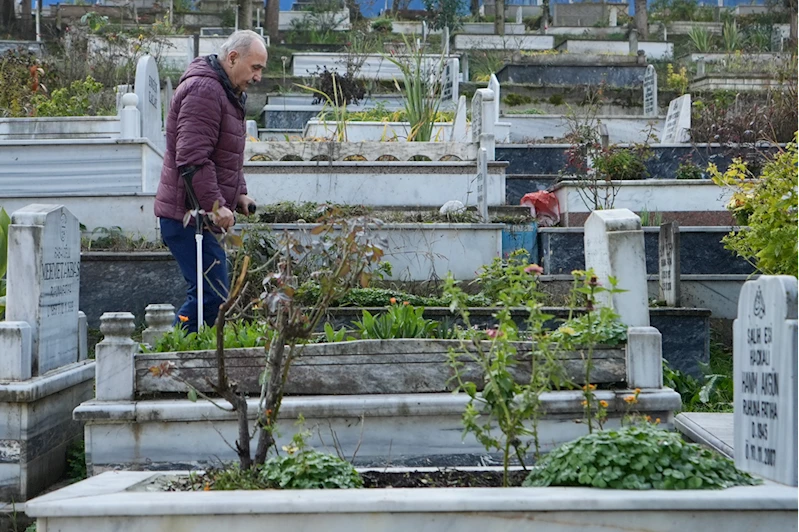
(677, 81)
(506, 411)
(502, 275)
(557, 99)
(637, 457)
(421, 92)
(532, 111)
(304, 468)
(484, 63)
(79, 99)
(401, 321)
(597, 325)
(514, 99)
(444, 13)
(238, 334)
(688, 170)
(768, 207)
(5, 221)
(76, 461)
(651, 218)
(21, 79)
(382, 25)
(731, 37)
(713, 392)
(701, 39)
(300, 468)
(621, 164)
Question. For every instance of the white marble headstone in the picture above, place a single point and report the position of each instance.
(482, 184)
(493, 84)
(519, 15)
(148, 89)
(43, 282)
(459, 123)
(651, 92)
(477, 115)
(613, 17)
(451, 82)
(764, 373)
(614, 247)
(669, 263)
(678, 121)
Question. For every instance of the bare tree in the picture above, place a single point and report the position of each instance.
(7, 16)
(641, 19)
(499, 17)
(271, 16)
(245, 15)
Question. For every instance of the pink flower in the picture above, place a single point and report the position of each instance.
(493, 333)
(534, 268)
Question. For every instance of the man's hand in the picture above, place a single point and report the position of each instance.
(223, 218)
(244, 202)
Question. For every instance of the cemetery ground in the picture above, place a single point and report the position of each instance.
(520, 304)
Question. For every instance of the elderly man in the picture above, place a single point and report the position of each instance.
(205, 135)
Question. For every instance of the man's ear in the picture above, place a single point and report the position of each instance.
(232, 57)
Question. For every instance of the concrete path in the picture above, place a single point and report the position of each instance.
(710, 429)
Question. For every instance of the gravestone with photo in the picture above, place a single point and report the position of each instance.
(678, 121)
(650, 92)
(764, 378)
(148, 89)
(44, 282)
(669, 263)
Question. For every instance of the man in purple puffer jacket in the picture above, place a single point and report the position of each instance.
(205, 135)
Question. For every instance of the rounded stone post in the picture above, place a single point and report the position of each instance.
(115, 358)
(130, 117)
(159, 319)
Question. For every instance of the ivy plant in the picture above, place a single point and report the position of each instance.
(638, 457)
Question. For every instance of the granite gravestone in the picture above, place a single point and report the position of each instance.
(148, 89)
(650, 92)
(614, 247)
(669, 263)
(678, 121)
(764, 373)
(44, 282)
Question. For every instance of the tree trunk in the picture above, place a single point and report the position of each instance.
(245, 14)
(474, 8)
(641, 19)
(791, 6)
(7, 15)
(267, 419)
(26, 21)
(499, 17)
(271, 16)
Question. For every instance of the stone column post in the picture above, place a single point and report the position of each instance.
(159, 319)
(115, 358)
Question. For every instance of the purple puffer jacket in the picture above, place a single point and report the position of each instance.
(205, 129)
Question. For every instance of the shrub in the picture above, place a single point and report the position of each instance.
(638, 458)
(81, 98)
(21, 76)
(621, 164)
(382, 25)
(517, 99)
(677, 81)
(768, 206)
(688, 170)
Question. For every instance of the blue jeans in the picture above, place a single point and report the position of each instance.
(181, 243)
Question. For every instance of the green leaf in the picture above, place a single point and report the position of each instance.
(192, 395)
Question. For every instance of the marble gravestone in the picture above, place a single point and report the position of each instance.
(614, 246)
(148, 89)
(482, 184)
(650, 92)
(451, 82)
(764, 378)
(669, 264)
(44, 282)
(678, 121)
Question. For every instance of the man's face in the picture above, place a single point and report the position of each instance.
(245, 69)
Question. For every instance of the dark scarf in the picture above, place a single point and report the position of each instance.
(240, 100)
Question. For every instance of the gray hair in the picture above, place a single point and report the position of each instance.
(240, 41)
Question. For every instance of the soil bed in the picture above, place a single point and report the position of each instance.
(449, 478)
